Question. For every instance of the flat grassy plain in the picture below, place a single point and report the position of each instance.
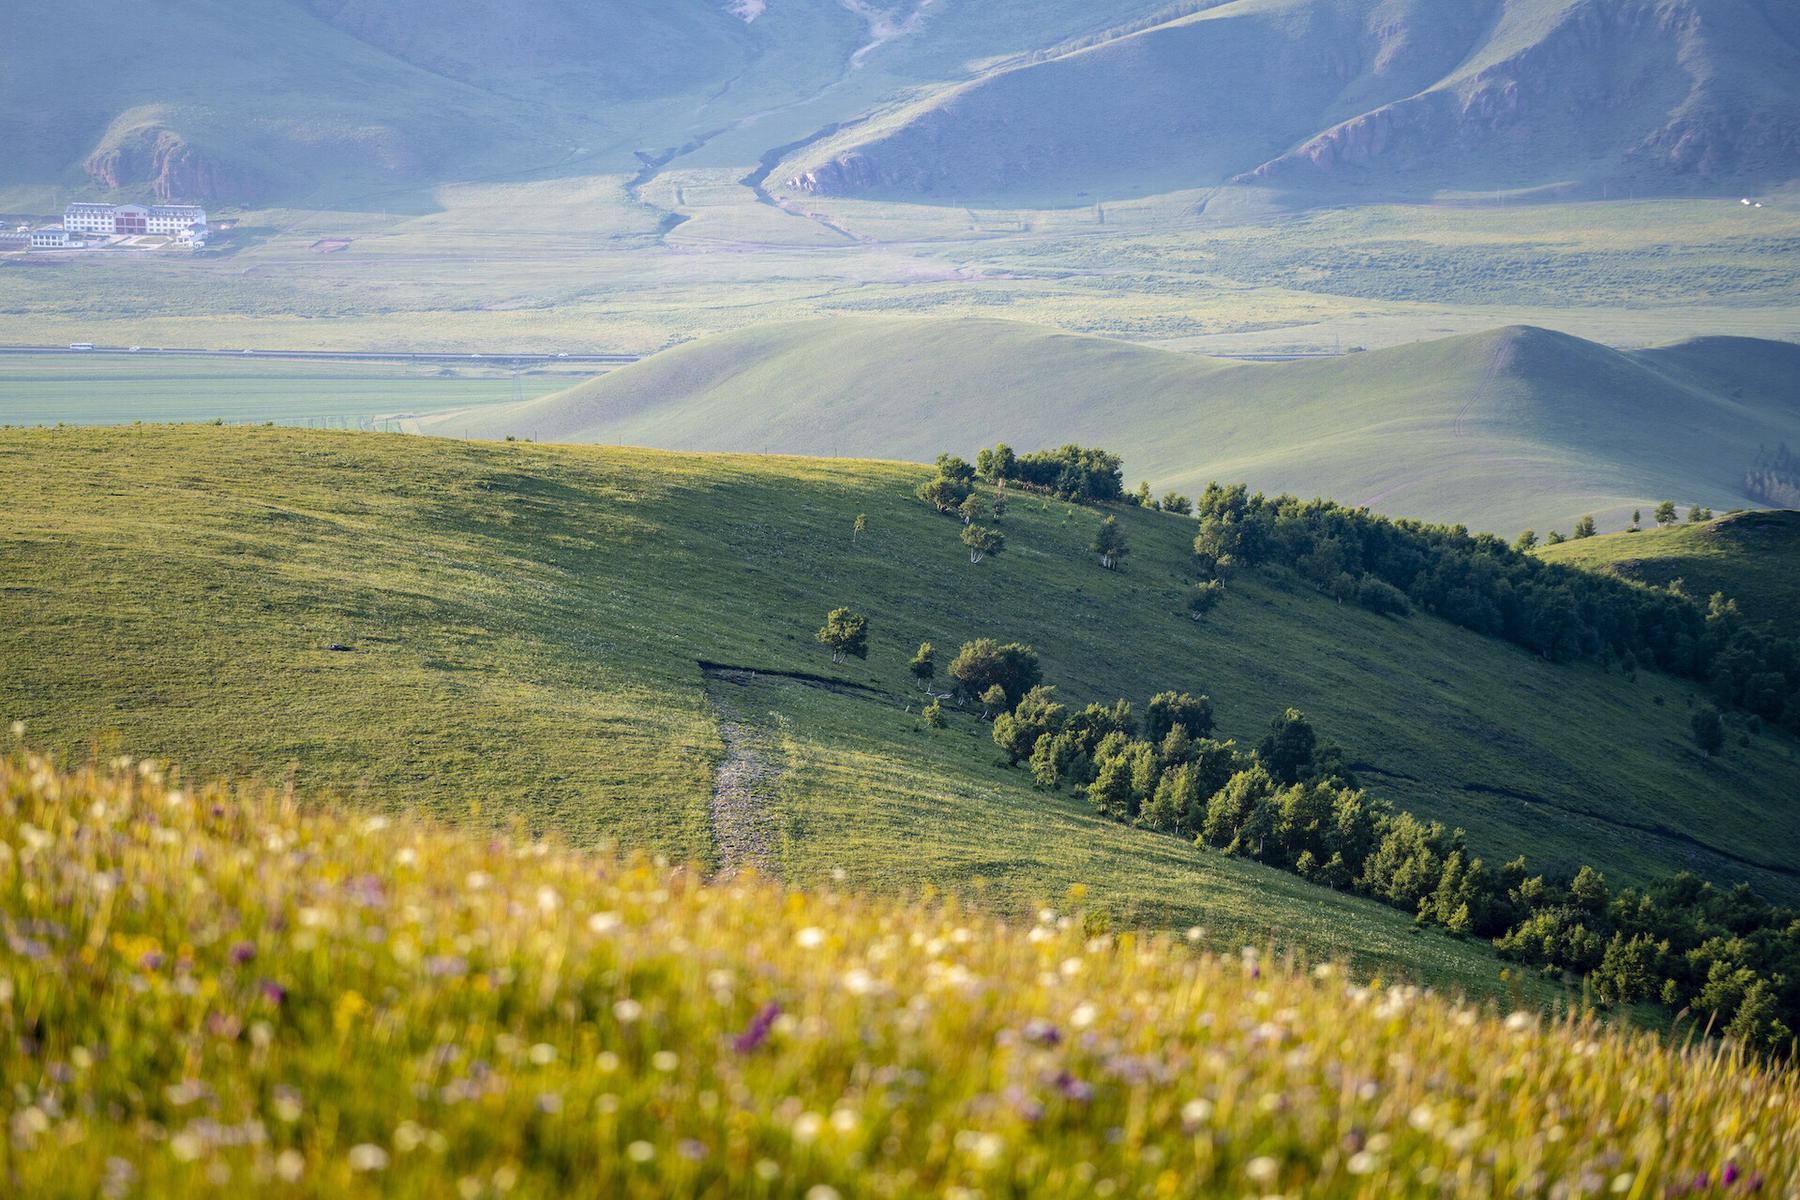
(525, 626)
(575, 263)
(85, 389)
(1752, 558)
(324, 1004)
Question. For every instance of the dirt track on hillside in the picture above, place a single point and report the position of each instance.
(746, 785)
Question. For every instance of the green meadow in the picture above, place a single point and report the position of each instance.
(87, 389)
(513, 632)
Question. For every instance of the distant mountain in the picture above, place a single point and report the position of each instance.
(1500, 430)
(333, 100)
(1047, 100)
(1374, 99)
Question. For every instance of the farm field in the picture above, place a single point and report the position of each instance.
(78, 389)
(526, 623)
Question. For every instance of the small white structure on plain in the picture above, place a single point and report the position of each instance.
(1745, 200)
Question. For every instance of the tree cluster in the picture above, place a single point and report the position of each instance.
(1071, 472)
(1726, 954)
(952, 492)
(1775, 478)
(1480, 583)
(1291, 803)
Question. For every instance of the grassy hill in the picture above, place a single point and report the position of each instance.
(399, 1010)
(1501, 430)
(1751, 557)
(88, 389)
(525, 627)
(1372, 99)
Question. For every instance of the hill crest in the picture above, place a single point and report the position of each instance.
(1512, 427)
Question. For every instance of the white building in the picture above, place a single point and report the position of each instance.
(112, 219)
(50, 237)
(175, 218)
(88, 218)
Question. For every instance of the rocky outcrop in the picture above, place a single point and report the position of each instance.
(164, 163)
(842, 175)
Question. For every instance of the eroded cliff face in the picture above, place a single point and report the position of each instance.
(166, 165)
(842, 175)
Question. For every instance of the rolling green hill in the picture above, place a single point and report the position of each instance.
(1371, 99)
(1501, 430)
(1752, 558)
(527, 626)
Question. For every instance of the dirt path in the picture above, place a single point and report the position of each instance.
(746, 783)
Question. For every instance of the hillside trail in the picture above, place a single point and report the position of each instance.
(746, 783)
(745, 813)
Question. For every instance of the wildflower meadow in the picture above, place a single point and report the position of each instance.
(219, 991)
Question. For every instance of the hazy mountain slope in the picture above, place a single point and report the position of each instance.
(1752, 558)
(284, 98)
(209, 101)
(1499, 430)
(1363, 98)
(526, 624)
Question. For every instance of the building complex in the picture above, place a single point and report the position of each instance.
(172, 219)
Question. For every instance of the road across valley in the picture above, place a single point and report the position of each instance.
(502, 358)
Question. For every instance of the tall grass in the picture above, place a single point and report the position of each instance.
(218, 991)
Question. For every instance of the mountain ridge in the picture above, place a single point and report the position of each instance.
(1380, 100)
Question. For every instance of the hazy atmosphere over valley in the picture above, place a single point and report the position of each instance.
(888, 598)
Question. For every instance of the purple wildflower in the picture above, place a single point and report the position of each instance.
(1729, 1175)
(152, 960)
(758, 1032)
(1042, 1032)
(273, 992)
(1073, 1088)
(243, 952)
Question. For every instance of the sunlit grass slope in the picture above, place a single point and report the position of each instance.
(523, 626)
(215, 992)
(86, 389)
(1500, 430)
(1752, 558)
